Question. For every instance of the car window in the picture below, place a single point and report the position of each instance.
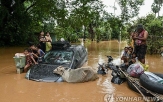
(58, 57)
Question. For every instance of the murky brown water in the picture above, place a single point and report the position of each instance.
(15, 88)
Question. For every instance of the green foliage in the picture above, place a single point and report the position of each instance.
(67, 33)
(22, 18)
(115, 24)
(155, 40)
(155, 8)
(70, 19)
(129, 8)
(103, 32)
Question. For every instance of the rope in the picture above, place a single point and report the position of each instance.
(134, 85)
(148, 91)
(159, 98)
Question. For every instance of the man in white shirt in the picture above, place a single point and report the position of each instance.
(125, 56)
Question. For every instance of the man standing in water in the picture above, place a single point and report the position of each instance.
(141, 43)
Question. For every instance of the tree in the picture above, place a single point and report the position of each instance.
(155, 41)
(88, 11)
(103, 31)
(155, 8)
(129, 8)
(115, 24)
(21, 18)
(159, 3)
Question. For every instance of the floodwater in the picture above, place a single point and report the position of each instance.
(15, 88)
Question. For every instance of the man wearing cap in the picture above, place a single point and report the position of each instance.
(141, 43)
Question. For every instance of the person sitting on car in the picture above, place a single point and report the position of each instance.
(33, 51)
(29, 59)
(39, 51)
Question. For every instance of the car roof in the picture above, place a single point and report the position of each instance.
(65, 45)
(71, 48)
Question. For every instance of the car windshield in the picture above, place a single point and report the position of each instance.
(58, 57)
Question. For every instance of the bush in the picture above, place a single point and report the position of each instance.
(155, 40)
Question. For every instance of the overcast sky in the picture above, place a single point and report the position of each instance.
(144, 10)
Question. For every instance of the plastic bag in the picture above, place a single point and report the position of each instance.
(135, 70)
(17, 55)
(145, 66)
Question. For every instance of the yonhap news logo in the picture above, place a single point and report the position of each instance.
(113, 98)
(109, 98)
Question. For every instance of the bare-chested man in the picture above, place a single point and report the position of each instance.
(141, 43)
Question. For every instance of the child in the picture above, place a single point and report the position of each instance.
(40, 53)
(48, 44)
(29, 59)
(125, 56)
(134, 40)
(133, 60)
(33, 51)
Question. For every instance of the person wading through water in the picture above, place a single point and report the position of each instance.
(141, 43)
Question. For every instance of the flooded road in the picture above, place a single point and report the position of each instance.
(15, 88)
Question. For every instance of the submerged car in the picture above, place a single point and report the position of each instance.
(61, 54)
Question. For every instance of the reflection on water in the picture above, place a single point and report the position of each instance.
(15, 88)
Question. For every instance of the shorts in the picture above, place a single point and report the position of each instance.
(136, 48)
(141, 51)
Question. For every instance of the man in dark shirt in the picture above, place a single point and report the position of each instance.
(141, 42)
(130, 53)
